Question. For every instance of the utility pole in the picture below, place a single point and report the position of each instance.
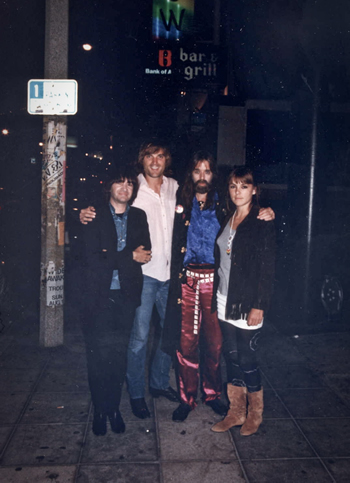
(53, 183)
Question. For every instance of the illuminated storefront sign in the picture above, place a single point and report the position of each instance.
(172, 19)
(200, 63)
(199, 66)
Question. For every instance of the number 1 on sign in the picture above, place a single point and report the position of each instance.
(36, 90)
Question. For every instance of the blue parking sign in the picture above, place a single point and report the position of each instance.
(36, 89)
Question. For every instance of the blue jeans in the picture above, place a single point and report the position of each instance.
(153, 292)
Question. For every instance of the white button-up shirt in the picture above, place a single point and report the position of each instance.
(160, 211)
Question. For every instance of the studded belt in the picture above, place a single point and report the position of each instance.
(200, 278)
(204, 277)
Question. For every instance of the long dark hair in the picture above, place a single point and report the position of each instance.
(187, 192)
(244, 175)
(118, 175)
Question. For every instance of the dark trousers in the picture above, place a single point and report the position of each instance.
(239, 349)
(107, 332)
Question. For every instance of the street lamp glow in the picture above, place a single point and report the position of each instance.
(87, 47)
(5, 132)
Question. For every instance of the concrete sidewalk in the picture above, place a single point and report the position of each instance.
(45, 420)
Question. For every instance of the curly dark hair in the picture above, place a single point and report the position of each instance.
(187, 191)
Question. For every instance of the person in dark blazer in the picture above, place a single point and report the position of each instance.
(244, 274)
(114, 248)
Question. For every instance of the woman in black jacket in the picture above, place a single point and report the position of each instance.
(244, 259)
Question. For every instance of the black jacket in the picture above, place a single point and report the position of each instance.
(100, 257)
(252, 266)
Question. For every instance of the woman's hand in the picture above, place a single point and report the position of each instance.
(266, 214)
(87, 214)
(142, 256)
(255, 317)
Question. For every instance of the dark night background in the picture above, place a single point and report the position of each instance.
(274, 50)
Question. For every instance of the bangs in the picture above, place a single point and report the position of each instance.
(242, 174)
(151, 149)
(121, 179)
(247, 179)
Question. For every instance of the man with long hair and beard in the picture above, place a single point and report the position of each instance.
(198, 215)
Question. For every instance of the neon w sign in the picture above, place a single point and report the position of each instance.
(172, 19)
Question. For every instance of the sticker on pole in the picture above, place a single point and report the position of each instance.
(54, 285)
(56, 97)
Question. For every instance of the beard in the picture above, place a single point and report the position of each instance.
(201, 187)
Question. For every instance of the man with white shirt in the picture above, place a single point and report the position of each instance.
(157, 197)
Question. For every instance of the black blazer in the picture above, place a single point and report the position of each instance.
(100, 257)
(252, 266)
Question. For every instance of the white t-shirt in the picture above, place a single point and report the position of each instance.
(241, 323)
(160, 211)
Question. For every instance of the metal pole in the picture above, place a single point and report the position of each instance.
(311, 207)
(53, 182)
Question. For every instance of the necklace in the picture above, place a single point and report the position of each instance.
(230, 238)
(201, 204)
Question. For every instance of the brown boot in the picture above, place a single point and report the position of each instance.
(255, 411)
(238, 409)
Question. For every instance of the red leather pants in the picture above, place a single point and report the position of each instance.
(197, 318)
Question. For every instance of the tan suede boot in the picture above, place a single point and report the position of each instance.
(238, 409)
(255, 411)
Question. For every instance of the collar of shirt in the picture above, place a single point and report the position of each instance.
(120, 223)
(144, 185)
(196, 206)
(125, 214)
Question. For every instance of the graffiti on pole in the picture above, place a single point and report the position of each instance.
(54, 158)
(53, 177)
(54, 285)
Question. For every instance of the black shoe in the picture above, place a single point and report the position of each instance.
(181, 413)
(217, 406)
(139, 408)
(99, 424)
(169, 393)
(116, 420)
